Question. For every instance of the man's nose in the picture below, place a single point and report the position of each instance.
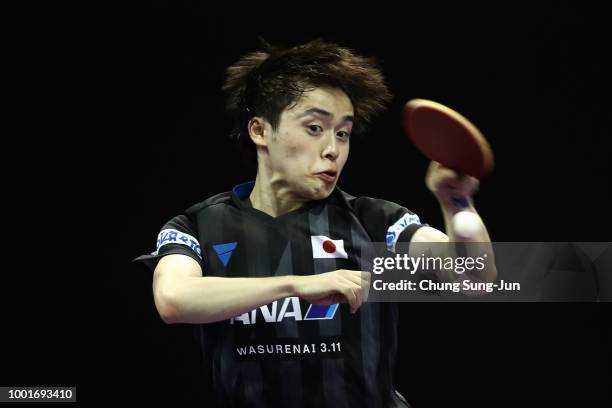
(330, 151)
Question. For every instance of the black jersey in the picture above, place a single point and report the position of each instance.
(290, 352)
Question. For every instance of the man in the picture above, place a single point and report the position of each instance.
(275, 271)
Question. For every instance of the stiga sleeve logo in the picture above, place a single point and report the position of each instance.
(396, 229)
(172, 236)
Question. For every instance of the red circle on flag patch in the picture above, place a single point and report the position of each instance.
(329, 247)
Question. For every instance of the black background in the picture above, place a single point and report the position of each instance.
(150, 139)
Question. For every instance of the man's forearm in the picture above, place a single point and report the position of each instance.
(482, 242)
(450, 209)
(211, 299)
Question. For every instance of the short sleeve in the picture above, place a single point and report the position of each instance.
(177, 236)
(386, 221)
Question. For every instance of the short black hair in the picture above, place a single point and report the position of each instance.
(264, 83)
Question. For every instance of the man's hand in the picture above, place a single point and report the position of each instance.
(451, 189)
(339, 286)
(454, 193)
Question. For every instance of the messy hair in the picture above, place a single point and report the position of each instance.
(264, 83)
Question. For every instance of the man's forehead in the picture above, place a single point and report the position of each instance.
(321, 101)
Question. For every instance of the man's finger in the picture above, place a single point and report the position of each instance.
(350, 297)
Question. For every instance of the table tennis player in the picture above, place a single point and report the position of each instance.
(271, 271)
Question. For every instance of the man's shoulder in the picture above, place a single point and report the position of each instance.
(224, 198)
(365, 203)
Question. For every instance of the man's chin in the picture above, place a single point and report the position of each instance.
(315, 190)
(321, 193)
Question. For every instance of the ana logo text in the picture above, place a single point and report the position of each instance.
(290, 308)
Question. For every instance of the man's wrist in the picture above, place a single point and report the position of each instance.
(454, 203)
(290, 284)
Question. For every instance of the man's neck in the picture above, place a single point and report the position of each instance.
(273, 198)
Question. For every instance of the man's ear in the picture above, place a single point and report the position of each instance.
(257, 131)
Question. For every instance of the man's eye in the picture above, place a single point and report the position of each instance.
(315, 128)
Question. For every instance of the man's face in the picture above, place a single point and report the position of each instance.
(308, 150)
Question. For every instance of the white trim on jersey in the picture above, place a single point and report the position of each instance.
(396, 229)
(172, 236)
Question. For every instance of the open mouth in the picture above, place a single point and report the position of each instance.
(328, 176)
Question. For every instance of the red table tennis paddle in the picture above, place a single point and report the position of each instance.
(445, 136)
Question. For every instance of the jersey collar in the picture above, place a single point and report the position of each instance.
(241, 193)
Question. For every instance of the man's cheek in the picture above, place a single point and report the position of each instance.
(293, 151)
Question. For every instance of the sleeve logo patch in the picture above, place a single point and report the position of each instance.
(396, 229)
(172, 236)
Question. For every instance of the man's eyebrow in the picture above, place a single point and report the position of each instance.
(347, 118)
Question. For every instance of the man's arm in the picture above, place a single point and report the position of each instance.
(454, 194)
(183, 295)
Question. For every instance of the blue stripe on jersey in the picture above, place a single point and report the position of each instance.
(321, 312)
(331, 311)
